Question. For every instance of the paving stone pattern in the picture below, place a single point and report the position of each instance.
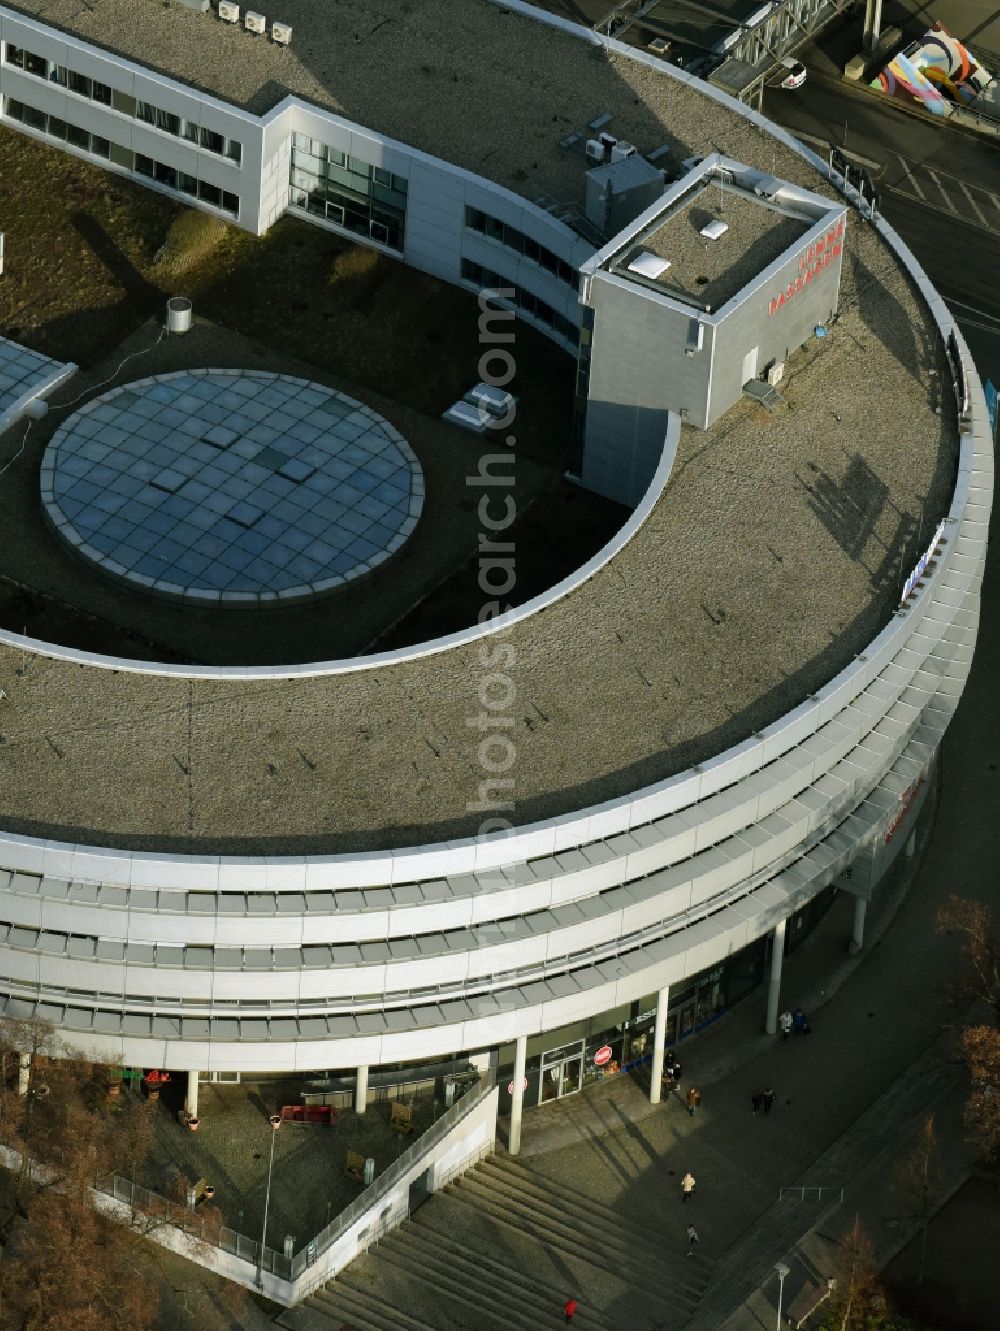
(230, 1150)
(231, 487)
(21, 373)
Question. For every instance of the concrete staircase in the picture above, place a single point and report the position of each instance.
(503, 1248)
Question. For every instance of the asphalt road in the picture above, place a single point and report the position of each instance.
(940, 188)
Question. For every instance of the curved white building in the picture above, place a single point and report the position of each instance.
(673, 754)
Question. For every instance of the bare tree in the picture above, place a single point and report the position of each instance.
(981, 1047)
(971, 924)
(918, 1182)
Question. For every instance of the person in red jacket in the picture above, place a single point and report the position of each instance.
(569, 1308)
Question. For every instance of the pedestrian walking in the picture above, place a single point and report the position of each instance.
(569, 1310)
(756, 1100)
(693, 1100)
(676, 1074)
(688, 1186)
(769, 1097)
(692, 1239)
(799, 1023)
(785, 1025)
(671, 1060)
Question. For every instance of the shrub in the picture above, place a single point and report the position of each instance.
(193, 237)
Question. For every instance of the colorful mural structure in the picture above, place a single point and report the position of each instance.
(938, 71)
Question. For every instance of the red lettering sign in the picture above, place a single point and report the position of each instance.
(816, 258)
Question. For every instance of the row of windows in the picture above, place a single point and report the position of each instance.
(321, 157)
(494, 229)
(359, 197)
(124, 103)
(522, 299)
(124, 157)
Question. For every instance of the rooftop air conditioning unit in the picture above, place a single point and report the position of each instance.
(775, 372)
(659, 46)
(621, 150)
(281, 33)
(229, 12)
(255, 22)
(608, 140)
(595, 150)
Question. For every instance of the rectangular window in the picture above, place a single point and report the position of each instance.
(34, 119)
(187, 184)
(166, 175)
(379, 232)
(381, 176)
(57, 74)
(121, 101)
(234, 151)
(231, 202)
(15, 55)
(189, 131)
(99, 147)
(15, 109)
(79, 138)
(144, 165)
(494, 229)
(336, 157)
(532, 249)
(146, 112)
(212, 140)
(399, 184)
(475, 220)
(121, 156)
(36, 64)
(57, 128)
(101, 92)
(210, 193)
(548, 260)
(78, 83)
(168, 122)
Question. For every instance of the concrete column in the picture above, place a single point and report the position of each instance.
(774, 985)
(191, 1099)
(873, 24)
(858, 933)
(23, 1073)
(659, 1035)
(361, 1090)
(517, 1097)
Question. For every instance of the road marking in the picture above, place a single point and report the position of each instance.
(983, 314)
(949, 201)
(968, 194)
(911, 177)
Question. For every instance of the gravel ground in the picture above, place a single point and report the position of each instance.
(775, 554)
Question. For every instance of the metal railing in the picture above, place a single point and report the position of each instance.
(154, 1206)
(388, 1179)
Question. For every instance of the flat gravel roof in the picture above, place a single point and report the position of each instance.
(710, 272)
(776, 552)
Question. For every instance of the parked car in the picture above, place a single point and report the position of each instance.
(795, 72)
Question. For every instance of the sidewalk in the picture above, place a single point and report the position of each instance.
(850, 1100)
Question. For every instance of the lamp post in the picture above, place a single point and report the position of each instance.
(275, 1121)
(782, 1271)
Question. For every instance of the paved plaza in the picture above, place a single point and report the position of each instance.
(231, 1147)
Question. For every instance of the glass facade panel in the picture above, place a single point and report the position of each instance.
(513, 239)
(348, 192)
(121, 101)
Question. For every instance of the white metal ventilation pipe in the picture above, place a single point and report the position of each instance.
(178, 314)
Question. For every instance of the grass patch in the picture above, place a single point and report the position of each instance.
(354, 264)
(191, 239)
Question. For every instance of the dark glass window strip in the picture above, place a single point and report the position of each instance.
(516, 240)
(486, 279)
(122, 156)
(367, 200)
(83, 86)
